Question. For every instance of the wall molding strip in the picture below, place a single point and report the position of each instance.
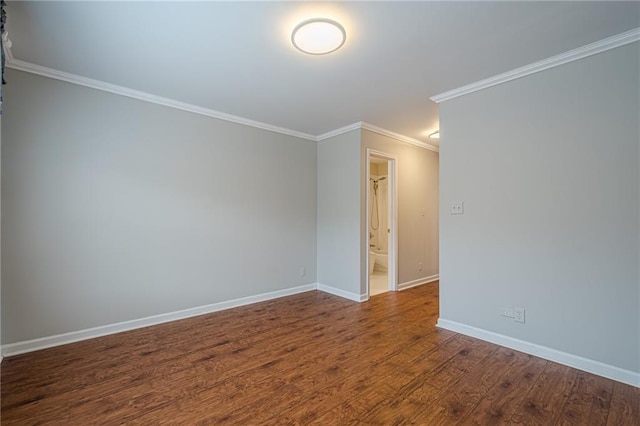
(398, 136)
(590, 366)
(18, 348)
(418, 282)
(340, 131)
(12, 62)
(342, 293)
(148, 97)
(362, 125)
(603, 45)
(90, 333)
(563, 58)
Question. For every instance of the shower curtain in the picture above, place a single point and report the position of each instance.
(380, 236)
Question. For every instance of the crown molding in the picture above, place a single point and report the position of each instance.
(12, 62)
(398, 136)
(379, 130)
(340, 131)
(148, 97)
(600, 46)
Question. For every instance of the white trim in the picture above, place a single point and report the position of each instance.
(392, 250)
(343, 293)
(340, 131)
(554, 61)
(379, 130)
(595, 367)
(12, 62)
(171, 103)
(419, 281)
(148, 97)
(76, 336)
(367, 221)
(398, 136)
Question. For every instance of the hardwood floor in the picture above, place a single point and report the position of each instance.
(311, 358)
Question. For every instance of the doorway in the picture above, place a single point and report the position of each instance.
(381, 209)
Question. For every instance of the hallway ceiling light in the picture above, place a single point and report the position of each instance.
(318, 36)
(435, 135)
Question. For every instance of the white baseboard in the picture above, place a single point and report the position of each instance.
(76, 336)
(342, 293)
(104, 330)
(590, 366)
(418, 282)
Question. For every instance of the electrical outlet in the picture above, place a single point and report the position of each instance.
(457, 208)
(518, 314)
(506, 312)
(420, 266)
(303, 271)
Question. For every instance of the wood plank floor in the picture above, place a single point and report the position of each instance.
(311, 358)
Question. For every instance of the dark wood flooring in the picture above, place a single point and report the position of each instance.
(311, 358)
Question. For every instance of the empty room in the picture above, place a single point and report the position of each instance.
(326, 213)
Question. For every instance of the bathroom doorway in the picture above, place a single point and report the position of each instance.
(381, 223)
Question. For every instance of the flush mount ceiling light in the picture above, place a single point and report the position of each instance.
(318, 36)
(435, 135)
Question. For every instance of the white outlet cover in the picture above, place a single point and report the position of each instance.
(457, 208)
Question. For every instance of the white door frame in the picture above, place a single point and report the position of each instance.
(392, 206)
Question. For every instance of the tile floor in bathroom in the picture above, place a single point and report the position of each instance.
(378, 283)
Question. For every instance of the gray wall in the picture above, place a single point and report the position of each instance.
(339, 212)
(342, 226)
(547, 167)
(417, 190)
(116, 209)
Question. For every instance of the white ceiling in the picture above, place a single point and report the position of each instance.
(237, 58)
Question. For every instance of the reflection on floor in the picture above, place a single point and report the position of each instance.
(378, 283)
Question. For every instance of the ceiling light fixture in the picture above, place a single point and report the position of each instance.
(435, 135)
(318, 36)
